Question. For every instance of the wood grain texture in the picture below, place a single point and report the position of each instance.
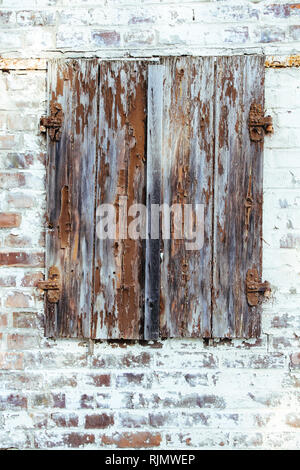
(187, 178)
(238, 175)
(71, 195)
(119, 264)
(154, 155)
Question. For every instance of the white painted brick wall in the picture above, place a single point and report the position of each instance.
(181, 393)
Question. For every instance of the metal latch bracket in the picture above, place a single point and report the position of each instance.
(255, 288)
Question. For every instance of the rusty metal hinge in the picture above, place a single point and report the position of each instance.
(259, 124)
(52, 285)
(53, 122)
(255, 288)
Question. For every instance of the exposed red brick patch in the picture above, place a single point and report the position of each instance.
(133, 440)
(9, 220)
(99, 421)
(76, 440)
(65, 420)
(22, 259)
(106, 38)
(59, 400)
(25, 320)
(13, 401)
(16, 341)
(102, 380)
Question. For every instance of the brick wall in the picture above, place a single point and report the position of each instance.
(177, 393)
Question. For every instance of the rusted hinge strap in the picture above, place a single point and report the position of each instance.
(53, 122)
(259, 124)
(52, 285)
(255, 288)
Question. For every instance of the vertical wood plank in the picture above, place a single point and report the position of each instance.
(71, 195)
(154, 155)
(187, 174)
(238, 173)
(119, 264)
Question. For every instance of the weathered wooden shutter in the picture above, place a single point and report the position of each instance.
(71, 194)
(186, 151)
(238, 176)
(169, 133)
(118, 308)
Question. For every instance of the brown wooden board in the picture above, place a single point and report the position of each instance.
(187, 178)
(119, 264)
(238, 175)
(70, 195)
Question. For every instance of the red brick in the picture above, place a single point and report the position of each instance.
(18, 299)
(133, 440)
(13, 401)
(87, 401)
(22, 259)
(62, 420)
(129, 379)
(3, 320)
(16, 241)
(9, 220)
(295, 360)
(106, 38)
(102, 380)
(98, 421)
(76, 440)
(51, 440)
(32, 279)
(59, 400)
(25, 320)
(11, 360)
(22, 342)
(108, 361)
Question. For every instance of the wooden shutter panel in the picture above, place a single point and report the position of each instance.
(70, 195)
(238, 175)
(186, 177)
(119, 264)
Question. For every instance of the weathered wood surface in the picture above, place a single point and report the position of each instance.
(154, 156)
(238, 176)
(71, 194)
(187, 178)
(119, 264)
